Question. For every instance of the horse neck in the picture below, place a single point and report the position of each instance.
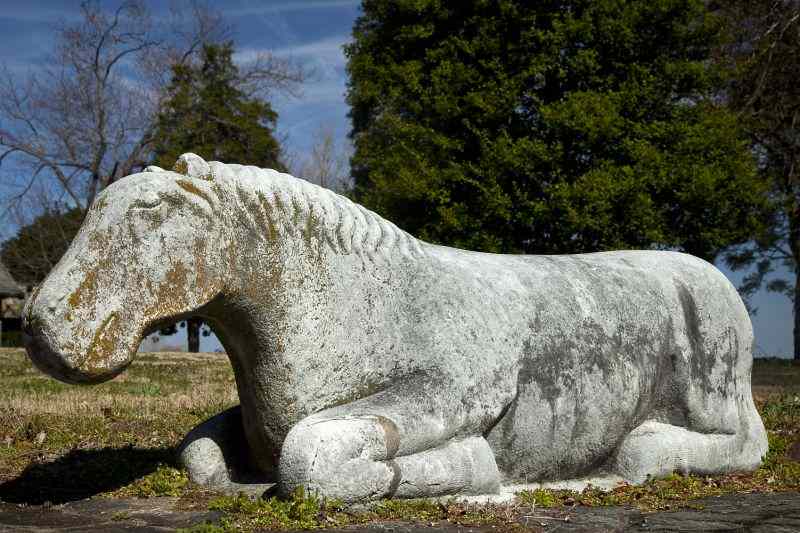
(276, 219)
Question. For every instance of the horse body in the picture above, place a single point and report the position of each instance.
(370, 364)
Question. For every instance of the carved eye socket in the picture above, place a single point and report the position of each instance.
(147, 202)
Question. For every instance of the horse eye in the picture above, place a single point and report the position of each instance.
(146, 203)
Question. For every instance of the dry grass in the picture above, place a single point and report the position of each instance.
(49, 429)
(773, 377)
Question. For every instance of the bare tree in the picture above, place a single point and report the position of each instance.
(327, 164)
(764, 54)
(87, 117)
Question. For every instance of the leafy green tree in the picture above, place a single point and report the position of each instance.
(39, 245)
(763, 52)
(209, 113)
(549, 127)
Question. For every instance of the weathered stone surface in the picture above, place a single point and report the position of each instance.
(369, 363)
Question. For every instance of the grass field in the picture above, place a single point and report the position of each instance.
(61, 443)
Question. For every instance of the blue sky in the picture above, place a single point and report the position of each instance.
(312, 32)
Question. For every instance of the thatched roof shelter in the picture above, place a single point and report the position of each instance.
(9, 287)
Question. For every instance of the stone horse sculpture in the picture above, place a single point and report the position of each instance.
(370, 364)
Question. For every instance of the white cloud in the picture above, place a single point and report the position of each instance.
(325, 57)
(284, 7)
(328, 51)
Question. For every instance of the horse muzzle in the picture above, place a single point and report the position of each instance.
(73, 350)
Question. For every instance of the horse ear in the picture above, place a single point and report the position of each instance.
(193, 166)
(153, 168)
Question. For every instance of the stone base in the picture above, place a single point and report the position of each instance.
(508, 492)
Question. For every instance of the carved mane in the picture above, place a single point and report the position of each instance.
(305, 210)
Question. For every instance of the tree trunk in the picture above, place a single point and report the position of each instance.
(193, 334)
(793, 212)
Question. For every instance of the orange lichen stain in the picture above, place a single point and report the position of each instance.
(172, 291)
(260, 209)
(181, 167)
(177, 276)
(191, 188)
(297, 212)
(86, 291)
(312, 228)
(271, 225)
(103, 345)
(170, 296)
(99, 240)
(204, 284)
(279, 207)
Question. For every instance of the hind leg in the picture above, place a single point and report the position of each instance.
(656, 449)
(711, 368)
(724, 434)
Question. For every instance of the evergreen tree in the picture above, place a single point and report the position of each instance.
(208, 113)
(558, 126)
(39, 245)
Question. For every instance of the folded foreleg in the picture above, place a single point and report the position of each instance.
(383, 446)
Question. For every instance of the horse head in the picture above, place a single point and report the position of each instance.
(151, 251)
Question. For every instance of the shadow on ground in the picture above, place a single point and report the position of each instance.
(83, 473)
